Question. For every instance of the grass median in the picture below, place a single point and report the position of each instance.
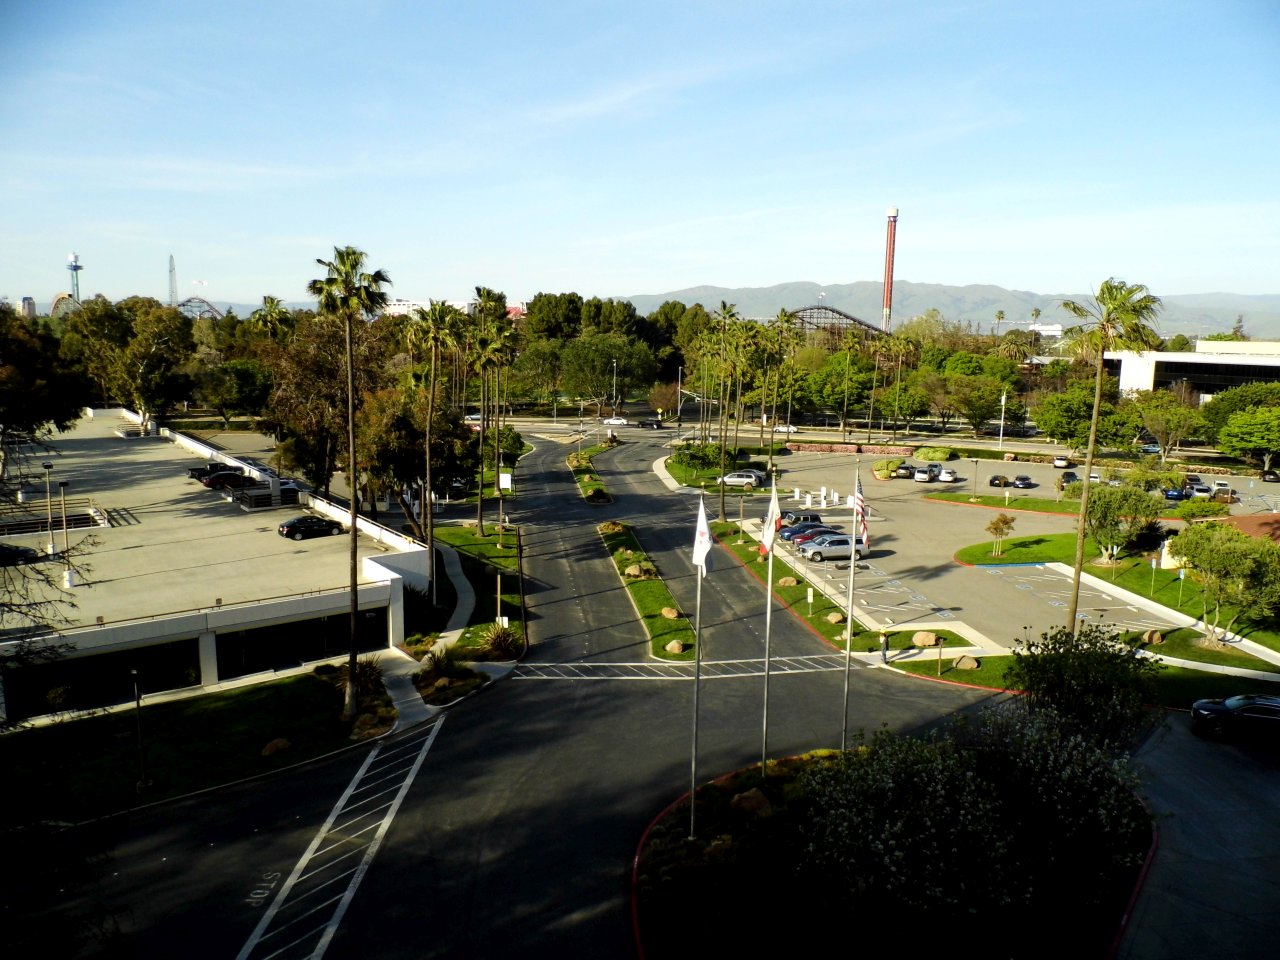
(648, 592)
(589, 483)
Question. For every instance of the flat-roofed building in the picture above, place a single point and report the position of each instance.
(1214, 366)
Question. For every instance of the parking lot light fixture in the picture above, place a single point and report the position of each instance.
(48, 502)
(974, 461)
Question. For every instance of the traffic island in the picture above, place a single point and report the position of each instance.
(670, 635)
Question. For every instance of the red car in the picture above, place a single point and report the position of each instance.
(808, 535)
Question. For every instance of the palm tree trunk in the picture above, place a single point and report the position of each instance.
(349, 705)
(480, 480)
(428, 507)
(1072, 623)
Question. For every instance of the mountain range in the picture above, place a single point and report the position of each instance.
(1194, 314)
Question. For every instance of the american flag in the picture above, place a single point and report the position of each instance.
(860, 512)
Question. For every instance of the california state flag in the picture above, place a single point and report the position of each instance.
(702, 542)
(772, 523)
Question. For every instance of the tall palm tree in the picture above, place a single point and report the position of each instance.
(435, 328)
(727, 314)
(348, 292)
(271, 319)
(1119, 318)
(489, 348)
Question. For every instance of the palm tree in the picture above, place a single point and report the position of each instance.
(270, 319)
(1119, 318)
(727, 314)
(489, 349)
(435, 328)
(350, 293)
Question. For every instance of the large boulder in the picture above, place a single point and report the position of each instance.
(276, 746)
(633, 571)
(968, 663)
(675, 646)
(925, 638)
(788, 582)
(752, 802)
(671, 613)
(835, 616)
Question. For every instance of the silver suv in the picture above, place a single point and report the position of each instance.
(747, 479)
(832, 546)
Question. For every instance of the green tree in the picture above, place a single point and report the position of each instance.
(1239, 575)
(1119, 317)
(977, 398)
(1095, 681)
(1218, 410)
(37, 393)
(1166, 418)
(999, 528)
(1116, 516)
(353, 295)
(149, 371)
(1179, 343)
(1252, 435)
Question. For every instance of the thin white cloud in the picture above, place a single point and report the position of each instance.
(621, 97)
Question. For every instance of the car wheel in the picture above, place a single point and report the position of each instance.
(748, 487)
(297, 535)
(816, 557)
(335, 531)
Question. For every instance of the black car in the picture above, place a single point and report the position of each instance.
(905, 471)
(300, 528)
(1244, 715)
(1070, 476)
(12, 555)
(1270, 476)
(228, 480)
(999, 480)
(651, 424)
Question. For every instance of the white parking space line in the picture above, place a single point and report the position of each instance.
(306, 912)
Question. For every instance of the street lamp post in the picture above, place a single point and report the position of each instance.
(142, 753)
(615, 388)
(68, 577)
(974, 461)
(1004, 396)
(48, 502)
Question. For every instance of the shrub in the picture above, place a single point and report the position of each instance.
(368, 678)
(884, 468)
(502, 642)
(697, 456)
(935, 453)
(1199, 509)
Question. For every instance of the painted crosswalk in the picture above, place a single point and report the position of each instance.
(711, 669)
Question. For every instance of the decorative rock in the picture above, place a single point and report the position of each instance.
(752, 802)
(968, 663)
(1010, 457)
(675, 646)
(924, 638)
(788, 582)
(275, 746)
(1153, 636)
(835, 616)
(633, 571)
(671, 613)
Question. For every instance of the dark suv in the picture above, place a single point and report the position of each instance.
(1246, 715)
(653, 423)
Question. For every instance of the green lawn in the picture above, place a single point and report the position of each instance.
(86, 768)
(1042, 548)
(1016, 502)
(481, 557)
(590, 486)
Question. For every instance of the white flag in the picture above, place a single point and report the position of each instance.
(772, 521)
(702, 542)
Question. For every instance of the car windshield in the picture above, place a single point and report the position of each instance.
(1236, 702)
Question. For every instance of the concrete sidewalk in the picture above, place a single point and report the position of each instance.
(398, 668)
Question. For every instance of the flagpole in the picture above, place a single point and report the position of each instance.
(848, 626)
(697, 682)
(768, 628)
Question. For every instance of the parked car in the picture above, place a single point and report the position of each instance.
(946, 475)
(300, 528)
(746, 479)
(1175, 494)
(833, 546)
(13, 555)
(784, 428)
(653, 423)
(1270, 476)
(813, 533)
(1224, 495)
(1191, 479)
(1244, 715)
(999, 480)
(1023, 482)
(615, 421)
(1061, 461)
(786, 533)
(934, 468)
(1221, 485)
(1150, 449)
(1200, 491)
(1095, 477)
(791, 517)
(471, 418)
(228, 479)
(1070, 476)
(923, 475)
(905, 471)
(204, 470)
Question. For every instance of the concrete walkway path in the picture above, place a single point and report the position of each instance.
(398, 667)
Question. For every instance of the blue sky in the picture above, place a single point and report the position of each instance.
(628, 148)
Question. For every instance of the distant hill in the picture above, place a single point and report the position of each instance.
(1193, 314)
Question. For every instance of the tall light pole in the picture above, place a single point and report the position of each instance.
(48, 502)
(679, 396)
(615, 388)
(974, 461)
(1004, 396)
(68, 578)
